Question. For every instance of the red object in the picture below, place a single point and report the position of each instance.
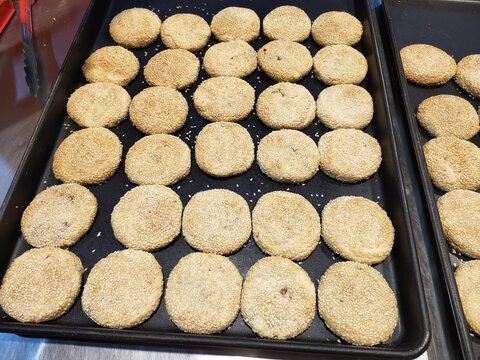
(26, 13)
(6, 12)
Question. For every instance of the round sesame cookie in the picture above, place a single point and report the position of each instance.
(59, 216)
(459, 212)
(113, 64)
(467, 277)
(147, 217)
(357, 229)
(123, 289)
(288, 156)
(340, 64)
(135, 28)
(235, 23)
(427, 65)
(185, 31)
(216, 221)
(158, 110)
(349, 155)
(287, 23)
(224, 149)
(203, 293)
(231, 58)
(175, 68)
(453, 163)
(89, 156)
(468, 74)
(357, 303)
(278, 298)
(224, 98)
(337, 27)
(345, 106)
(285, 224)
(158, 159)
(98, 105)
(41, 284)
(285, 60)
(448, 115)
(286, 106)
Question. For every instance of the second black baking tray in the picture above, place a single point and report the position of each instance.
(400, 268)
(451, 26)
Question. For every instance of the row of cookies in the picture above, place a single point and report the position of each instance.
(451, 159)
(163, 110)
(450, 119)
(139, 27)
(150, 217)
(204, 294)
(281, 60)
(91, 156)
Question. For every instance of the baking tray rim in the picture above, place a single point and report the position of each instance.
(155, 337)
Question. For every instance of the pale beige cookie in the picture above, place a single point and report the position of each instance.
(175, 68)
(285, 60)
(468, 74)
(287, 23)
(231, 58)
(185, 31)
(345, 106)
(278, 298)
(459, 212)
(224, 98)
(453, 163)
(158, 159)
(135, 27)
(235, 23)
(286, 106)
(216, 221)
(427, 65)
(203, 293)
(357, 303)
(98, 105)
(357, 229)
(448, 115)
(288, 156)
(158, 110)
(41, 284)
(285, 224)
(349, 155)
(336, 27)
(148, 217)
(467, 277)
(59, 216)
(224, 149)
(113, 64)
(340, 64)
(123, 289)
(89, 156)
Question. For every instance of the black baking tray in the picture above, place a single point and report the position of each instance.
(412, 335)
(449, 25)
